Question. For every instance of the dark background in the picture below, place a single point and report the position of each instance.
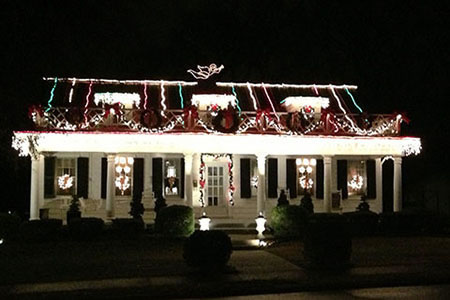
(395, 51)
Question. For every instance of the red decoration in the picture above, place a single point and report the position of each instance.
(115, 107)
(35, 109)
(190, 115)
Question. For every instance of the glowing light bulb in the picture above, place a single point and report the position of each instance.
(130, 160)
(306, 161)
(127, 169)
(116, 160)
(122, 160)
(309, 169)
(119, 169)
(298, 161)
(313, 162)
(302, 169)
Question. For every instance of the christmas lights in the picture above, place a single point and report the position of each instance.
(71, 90)
(65, 182)
(287, 86)
(163, 99)
(356, 183)
(295, 103)
(270, 101)
(52, 94)
(237, 100)
(181, 96)
(204, 72)
(127, 99)
(87, 102)
(207, 101)
(123, 82)
(123, 170)
(353, 99)
(145, 96)
(255, 106)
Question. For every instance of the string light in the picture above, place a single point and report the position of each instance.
(287, 86)
(87, 103)
(237, 100)
(112, 98)
(252, 96)
(353, 99)
(270, 101)
(204, 72)
(123, 82)
(315, 90)
(181, 96)
(163, 99)
(71, 90)
(145, 96)
(52, 94)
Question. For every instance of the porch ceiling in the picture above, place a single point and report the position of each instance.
(119, 142)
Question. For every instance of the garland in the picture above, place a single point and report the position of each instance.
(202, 181)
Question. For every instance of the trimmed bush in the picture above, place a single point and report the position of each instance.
(207, 249)
(327, 242)
(86, 228)
(9, 225)
(128, 227)
(175, 221)
(41, 230)
(288, 221)
(362, 223)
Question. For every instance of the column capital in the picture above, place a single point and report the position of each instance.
(327, 159)
(397, 159)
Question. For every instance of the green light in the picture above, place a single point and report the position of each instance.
(181, 96)
(353, 99)
(52, 94)
(237, 100)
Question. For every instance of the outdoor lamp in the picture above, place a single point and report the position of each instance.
(260, 225)
(204, 222)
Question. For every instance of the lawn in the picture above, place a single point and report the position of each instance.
(381, 251)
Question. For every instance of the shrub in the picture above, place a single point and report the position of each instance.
(128, 227)
(74, 209)
(86, 228)
(362, 223)
(9, 225)
(175, 221)
(136, 207)
(207, 249)
(288, 221)
(327, 242)
(41, 230)
(160, 203)
(307, 204)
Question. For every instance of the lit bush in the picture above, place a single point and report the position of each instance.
(175, 221)
(288, 221)
(208, 249)
(86, 228)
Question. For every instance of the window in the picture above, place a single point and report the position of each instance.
(254, 176)
(65, 176)
(215, 185)
(356, 177)
(172, 173)
(124, 175)
(306, 175)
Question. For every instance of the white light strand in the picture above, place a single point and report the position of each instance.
(163, 99)
(125, 82)
(270, 101)
(71, 90)
(65, 182)
(255, 106)
(287, 86)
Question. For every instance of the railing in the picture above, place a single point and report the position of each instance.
(260, 122)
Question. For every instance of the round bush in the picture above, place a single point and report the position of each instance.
(9, 225)
(288, 221)
(175, 221)
(86, 228)
(41, 230)
(327, 242)
(207, 249)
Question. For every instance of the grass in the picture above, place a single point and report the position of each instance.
(380, 251)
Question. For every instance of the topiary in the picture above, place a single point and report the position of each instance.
(136, 207)
(74, 209)
(175, 221)
(9, 225)
(207, 249)
(288, 221)
(307, 204)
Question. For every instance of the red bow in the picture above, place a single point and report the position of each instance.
(115, 107)
(35, 109)
(263, 112)
(202, 183)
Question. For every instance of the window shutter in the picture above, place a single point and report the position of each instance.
(291, 177)
(182, 178)
(272, 180)
(138, 177)
(157, 178)
(246, 191)
(104, 176)
(49, 177)
(82, 177)
(371, 179)
(342, 178)
(319, 179)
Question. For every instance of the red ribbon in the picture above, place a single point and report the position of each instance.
(35, 109)
(115, 107)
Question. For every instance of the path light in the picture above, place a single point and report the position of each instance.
(1, 241)
(260, 225)
(204, 222)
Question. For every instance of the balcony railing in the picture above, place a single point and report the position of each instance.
(260, 122)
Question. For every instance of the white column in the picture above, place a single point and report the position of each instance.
(379, 183)
(397, 183)
(327, 184)
(281, 163)
(110, 186)
(34, 191)
(148, 173)
(261, 196)
(188, 178)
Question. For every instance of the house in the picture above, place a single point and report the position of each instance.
(221, 147)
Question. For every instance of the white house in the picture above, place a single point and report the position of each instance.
(221, 147)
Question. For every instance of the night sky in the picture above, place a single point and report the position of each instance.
(395, 51)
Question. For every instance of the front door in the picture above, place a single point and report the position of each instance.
(215, 190)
